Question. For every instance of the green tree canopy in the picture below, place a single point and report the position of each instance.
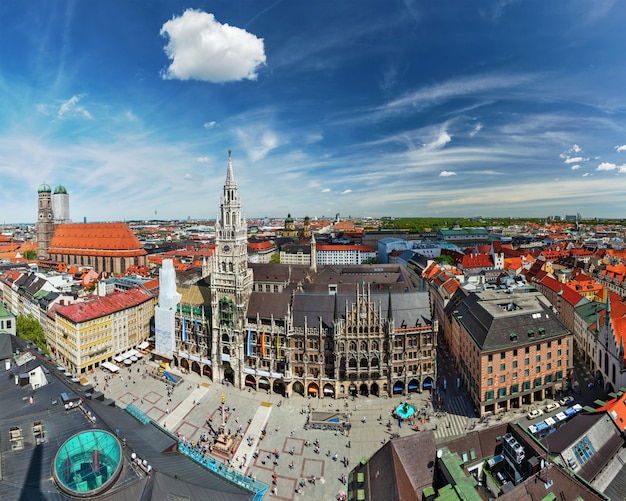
(275, 258)
(28, 327)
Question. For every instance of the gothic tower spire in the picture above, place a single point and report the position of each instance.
(230, 285)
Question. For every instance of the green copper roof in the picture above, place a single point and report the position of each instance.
(60, 189)
(44, 188)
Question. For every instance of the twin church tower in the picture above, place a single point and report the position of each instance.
(52, 209)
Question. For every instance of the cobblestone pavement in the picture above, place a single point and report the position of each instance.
(193, 406)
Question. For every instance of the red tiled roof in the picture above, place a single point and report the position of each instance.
(476, 261)
(567, 293)
(101, 306)
(96, 239)
(260, 246)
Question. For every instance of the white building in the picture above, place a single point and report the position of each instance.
(344, 254)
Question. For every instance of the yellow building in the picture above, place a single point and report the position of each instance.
(86, 334)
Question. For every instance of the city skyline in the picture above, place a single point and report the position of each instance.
(506, 108)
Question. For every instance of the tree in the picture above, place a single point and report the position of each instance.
(275, 258)
(29, 328)
(30, 255)
(444, 259)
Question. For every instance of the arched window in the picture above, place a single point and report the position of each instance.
(363, 346)
(352, 346)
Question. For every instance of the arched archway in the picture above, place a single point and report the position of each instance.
(175, 361)
(229, 373)
(599, 379)
(374, 389)
(264, 383)
(298, 387)
(364, 390)
(413, 386)
(329, 390)
(250, 382)
(207, 371)
(428, 383)
(313, 390)
(398, 388)
(352, 390)
(195, 367)
(278, 387)
(184, 364)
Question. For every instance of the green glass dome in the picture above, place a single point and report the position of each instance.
(60, 190)
(44, 188)
(88, 463)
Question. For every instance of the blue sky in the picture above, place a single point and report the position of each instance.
(362, 108)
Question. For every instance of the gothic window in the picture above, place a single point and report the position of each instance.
(374, 345)
(226, 311)
(342, 347)
(230, 267)
(364, 363)
(223, 266)
(363, 346)
(352, 346)
(225, 338)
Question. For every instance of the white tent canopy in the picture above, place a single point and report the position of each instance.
(110, 366)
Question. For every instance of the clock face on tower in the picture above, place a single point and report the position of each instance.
(226, 248)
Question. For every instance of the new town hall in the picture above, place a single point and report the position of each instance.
(329, 332)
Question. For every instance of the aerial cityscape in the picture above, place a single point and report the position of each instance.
(314, 358)
(272, 250)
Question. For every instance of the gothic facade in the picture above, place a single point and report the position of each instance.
(322, 333)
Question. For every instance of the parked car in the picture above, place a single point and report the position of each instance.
(569, 400)
(534, 414)
(552, 406)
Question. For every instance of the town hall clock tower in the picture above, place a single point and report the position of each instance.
(230, 285)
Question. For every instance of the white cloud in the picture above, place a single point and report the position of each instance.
(576, 149)
(326, 190)
(609, 166)
(201, 48)
(621, 148)
(313, 138)
(345, 192)
(188, 177)
(585, 174)
(439, 142)
(209, 125)
(575, 167)
(477, 128)
(71, 108)
(203, 160)
(447, 173)
(258, 142)
(574, 160)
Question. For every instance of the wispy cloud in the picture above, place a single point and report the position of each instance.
(447, 173)
(474, 86)
(71, 108)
